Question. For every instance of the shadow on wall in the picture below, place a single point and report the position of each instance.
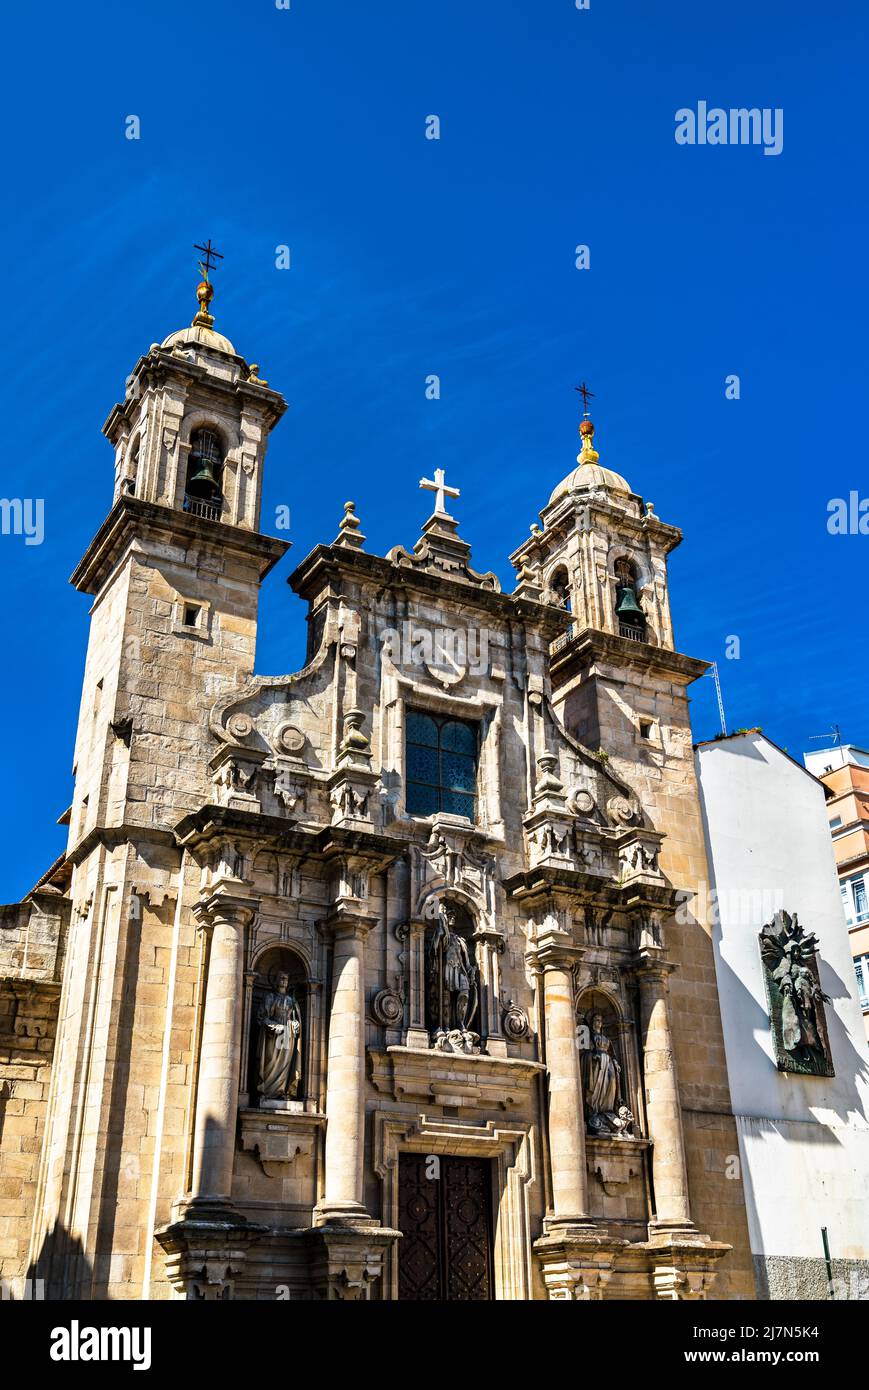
(61, 1265)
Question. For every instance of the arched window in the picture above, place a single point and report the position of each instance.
(559, 583)
(203, 494)
(631, 618)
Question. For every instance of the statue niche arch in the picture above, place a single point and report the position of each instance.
(605, 1066)
(452, 979)
(278, 1040)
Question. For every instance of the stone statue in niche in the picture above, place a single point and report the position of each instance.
(279, 1057)
(605, 1111)
(452, 986)
(796, 1001)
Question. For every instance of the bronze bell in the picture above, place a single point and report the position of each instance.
(203, 480)
(627, 606)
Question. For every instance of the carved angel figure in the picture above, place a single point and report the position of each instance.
(787, 952)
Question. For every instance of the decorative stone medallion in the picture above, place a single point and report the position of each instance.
(289, 738)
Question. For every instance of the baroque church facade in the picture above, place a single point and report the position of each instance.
(372, 980)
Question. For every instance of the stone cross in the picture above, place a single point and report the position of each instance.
(441, 489)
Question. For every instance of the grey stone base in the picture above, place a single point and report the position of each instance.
(783, 1276)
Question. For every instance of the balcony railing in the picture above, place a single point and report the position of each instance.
(634, 633)
(197, 506)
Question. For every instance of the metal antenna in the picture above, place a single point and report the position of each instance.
(835, 734)
(713, 672)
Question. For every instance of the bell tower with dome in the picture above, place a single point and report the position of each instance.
(175, 572)
(619, 686)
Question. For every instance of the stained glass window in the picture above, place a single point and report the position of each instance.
(441, 765)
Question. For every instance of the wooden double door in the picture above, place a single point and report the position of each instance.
(445, 1216)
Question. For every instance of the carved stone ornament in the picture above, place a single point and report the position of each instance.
(240, 726)
(621, 812)
(515, 1023)
(289, 792)
(289, 738)
(580, 802)
(798, 1022)
(387, 1008)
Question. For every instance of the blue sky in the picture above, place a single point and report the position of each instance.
(305, 127)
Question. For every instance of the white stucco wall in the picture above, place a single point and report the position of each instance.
(804, 1141)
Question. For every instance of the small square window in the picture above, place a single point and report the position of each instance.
(835, 822)
(646, 727)
(191, 614)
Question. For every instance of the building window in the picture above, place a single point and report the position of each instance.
(855, 900)
(441, 763)
(861, 966)
(191, 614)
(835, 822)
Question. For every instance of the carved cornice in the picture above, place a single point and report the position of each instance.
(132, 516)
(591, 645)
(445, 1078)
(211, 822)
(327, 564)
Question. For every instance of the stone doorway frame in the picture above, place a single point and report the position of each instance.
(515, 1169)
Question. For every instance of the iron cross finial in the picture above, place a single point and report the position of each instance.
(210, 254)
(586, 396)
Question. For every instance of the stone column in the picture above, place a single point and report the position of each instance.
(345, 1081)
(226, 917)
(564, 1084)
(663, 1110)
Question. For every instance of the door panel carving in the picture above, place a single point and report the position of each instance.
(446, 1249)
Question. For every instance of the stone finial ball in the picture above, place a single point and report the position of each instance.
(586, 428)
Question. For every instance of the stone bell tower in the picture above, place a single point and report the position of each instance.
(619, 686)
(175, 571)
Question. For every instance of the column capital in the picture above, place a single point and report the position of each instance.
(652, 966)
(230, 908)
(487, 936)
(345, 922)
(555, 951)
